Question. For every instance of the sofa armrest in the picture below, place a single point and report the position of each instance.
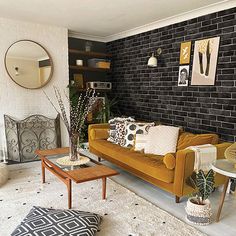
(98, 131)
(185, 165)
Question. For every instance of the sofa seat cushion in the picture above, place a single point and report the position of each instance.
(147, 163)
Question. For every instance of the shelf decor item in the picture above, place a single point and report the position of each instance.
(198, 208)
(79, 110)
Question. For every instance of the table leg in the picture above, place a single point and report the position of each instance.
(222, 199)
(69, 189)
(43, 173)
(104, 183)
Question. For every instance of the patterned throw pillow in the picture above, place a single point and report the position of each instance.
(117, 129)
(131, 129)
(45, 221)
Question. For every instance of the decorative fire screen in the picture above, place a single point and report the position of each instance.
(25, 136)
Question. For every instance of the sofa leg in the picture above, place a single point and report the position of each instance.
(99, 159)
(177, 199)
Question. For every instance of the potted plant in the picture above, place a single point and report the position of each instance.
(198, 207)
(79, 108)
(105, 114)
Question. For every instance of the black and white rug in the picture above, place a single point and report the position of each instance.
(124, 213)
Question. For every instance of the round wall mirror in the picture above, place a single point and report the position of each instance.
(28, 64)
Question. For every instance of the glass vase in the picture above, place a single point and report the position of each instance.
(74, 140)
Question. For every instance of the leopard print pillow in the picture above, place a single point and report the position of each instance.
(117, 130)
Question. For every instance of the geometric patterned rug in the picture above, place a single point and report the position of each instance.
(124, 213)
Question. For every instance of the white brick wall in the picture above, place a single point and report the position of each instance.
(19, 102)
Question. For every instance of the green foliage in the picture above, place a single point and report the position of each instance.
(203, 183)
(105, 114)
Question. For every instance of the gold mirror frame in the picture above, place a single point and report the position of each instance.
(50, 58)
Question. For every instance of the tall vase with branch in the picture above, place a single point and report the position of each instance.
(78, 113)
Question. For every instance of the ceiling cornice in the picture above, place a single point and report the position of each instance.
(223, 5)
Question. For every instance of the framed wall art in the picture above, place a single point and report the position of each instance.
(183, 76)
(205, 61)
(185, 51)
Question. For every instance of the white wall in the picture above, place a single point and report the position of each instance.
(17, 101)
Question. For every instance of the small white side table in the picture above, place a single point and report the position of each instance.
(226, 168)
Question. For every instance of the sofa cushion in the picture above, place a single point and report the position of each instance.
(147, 163)
(162, 139)
(47, 221)
(133, 128)
(117, 129)
(169, 160)
(99, 134)
(189, 139)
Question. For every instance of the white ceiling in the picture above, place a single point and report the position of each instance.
(101, 18)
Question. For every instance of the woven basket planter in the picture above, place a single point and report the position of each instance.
(198, 214)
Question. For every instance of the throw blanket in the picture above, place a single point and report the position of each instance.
(205, 155)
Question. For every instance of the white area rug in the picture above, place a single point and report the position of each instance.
(124, 213)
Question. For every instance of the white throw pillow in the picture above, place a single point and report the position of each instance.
(161, 140)
(140, 142)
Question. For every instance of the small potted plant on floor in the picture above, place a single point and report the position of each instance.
(198, 207)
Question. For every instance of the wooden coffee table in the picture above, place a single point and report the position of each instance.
(92, 172)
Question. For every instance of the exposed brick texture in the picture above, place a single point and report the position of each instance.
(153, 93)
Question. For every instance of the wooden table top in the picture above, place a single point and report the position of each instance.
(78, 175)
(91, 173)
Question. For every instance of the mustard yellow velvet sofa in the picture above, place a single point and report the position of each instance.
(169, 172)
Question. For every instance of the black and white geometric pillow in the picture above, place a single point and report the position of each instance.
(131, 129)
(50, 222)
(117, 130)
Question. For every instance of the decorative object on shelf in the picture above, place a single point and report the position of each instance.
(205, 61)
(183, 76)
(88, 46)
(152, 61)
(23, 137)
(230, 154)
(79, 81)
(79, 109)
(28, 64)
(99, 85)
(185, 51)
(3, 173)
(99, 63)
(198, 208)
(79, 62)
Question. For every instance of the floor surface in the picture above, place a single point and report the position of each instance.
(166, 201)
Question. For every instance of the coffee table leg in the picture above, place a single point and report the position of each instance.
(222, 199)
(104, 183)
(69, 189)
(43, 173)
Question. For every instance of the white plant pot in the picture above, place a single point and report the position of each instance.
(198, 214)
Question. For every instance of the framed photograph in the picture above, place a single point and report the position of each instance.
(185, 52)
(205, 61)
(79, 81)
(183, 76)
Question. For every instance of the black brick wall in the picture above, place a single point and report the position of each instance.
(153, 94)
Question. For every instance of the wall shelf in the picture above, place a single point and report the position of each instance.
(89, 54)
(86, 68)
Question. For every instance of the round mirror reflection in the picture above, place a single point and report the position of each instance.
(28, 64)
